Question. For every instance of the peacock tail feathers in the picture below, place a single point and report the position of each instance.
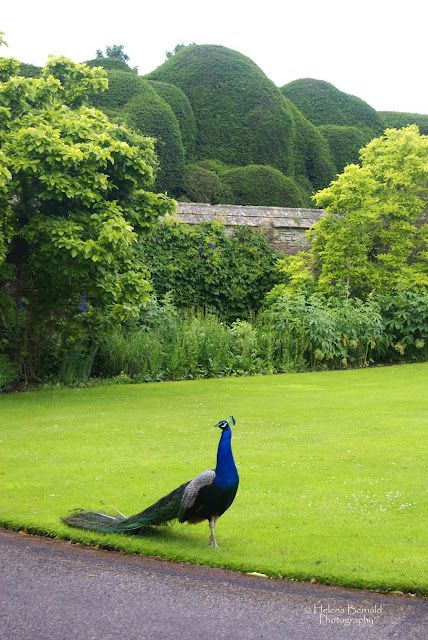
(92, 520)
(161, 512)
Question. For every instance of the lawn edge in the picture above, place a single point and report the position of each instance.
(75, 537)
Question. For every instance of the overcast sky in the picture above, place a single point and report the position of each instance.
(375, 49)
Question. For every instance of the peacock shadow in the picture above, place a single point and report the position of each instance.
(168, 532)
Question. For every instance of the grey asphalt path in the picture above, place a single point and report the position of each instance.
(53, 590)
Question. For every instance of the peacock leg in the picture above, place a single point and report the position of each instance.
(212, 540)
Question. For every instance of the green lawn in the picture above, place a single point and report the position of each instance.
(332, 469)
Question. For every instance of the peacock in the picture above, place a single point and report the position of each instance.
(206, 497)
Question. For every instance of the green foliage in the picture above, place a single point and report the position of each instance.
(322, 103)
(201, 266)
(203, 185)
(177, 48)
(134, 101)
(397, 120)
(110, 64)
(292, 332)
(262, 185)
(240, 115)
(148, 113)
(405, 319)
(74, 200)
(29, 70)
(8, 67)
(374, 235)
(121, 87)
(179, 103)
(115, 51)
(345, 143)
(312, 331)
(313, 161)
(8, 371)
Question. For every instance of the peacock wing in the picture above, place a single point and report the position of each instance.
(192, 489)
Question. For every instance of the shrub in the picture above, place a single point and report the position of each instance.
(133, 101)
(148, 113)
(201, 266)
(323, 103)
(121, 87)
(262, 185)
(110, 64)
(29, 70)
(8, 371)
(345, 143)
(312, 158)
(203, 185)
(405, 319)
(397, 120)
(241, 116)
(179, 103)
(320, 332)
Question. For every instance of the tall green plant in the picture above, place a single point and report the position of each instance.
(73, 199)
(374, 234)
(202, 266)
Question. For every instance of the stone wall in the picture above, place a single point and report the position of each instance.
(285, 227)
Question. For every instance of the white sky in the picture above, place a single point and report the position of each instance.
(375, 49)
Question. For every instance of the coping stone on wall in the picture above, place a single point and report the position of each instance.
(285, 226)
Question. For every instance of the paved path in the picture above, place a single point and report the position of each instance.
(53, 590)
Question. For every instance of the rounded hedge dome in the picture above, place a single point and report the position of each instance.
(110, 64)
(322, 103)
(240, 114)
(345, 143)
(179, 103)
(262, 185)
(133, 100)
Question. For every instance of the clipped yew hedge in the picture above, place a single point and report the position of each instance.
(322, 103)
(263, 185)
(345, 143)
(133, 100)
(397, 120)
(240, 115)
(180, 105)
(110, 64)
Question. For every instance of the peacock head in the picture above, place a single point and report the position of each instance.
(225, 424)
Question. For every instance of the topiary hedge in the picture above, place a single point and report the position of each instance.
(110, 64)
(345, 143)
(204, 185)
(263, 185)
(133, 100)
(242, 118)
(397, 120)
(240, 115)
(179, 103)
(122, 86)
(323, 103)
(29, 70)
(148, 113)
(312, 160)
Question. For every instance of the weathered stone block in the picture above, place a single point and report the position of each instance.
(285, 227)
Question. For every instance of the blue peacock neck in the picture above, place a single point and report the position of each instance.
(226, 472)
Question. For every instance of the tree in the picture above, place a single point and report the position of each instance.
(177, 48)
(374, 234)
(73, 202)
(113, 51)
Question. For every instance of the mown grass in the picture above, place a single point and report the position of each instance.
(331, 465)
